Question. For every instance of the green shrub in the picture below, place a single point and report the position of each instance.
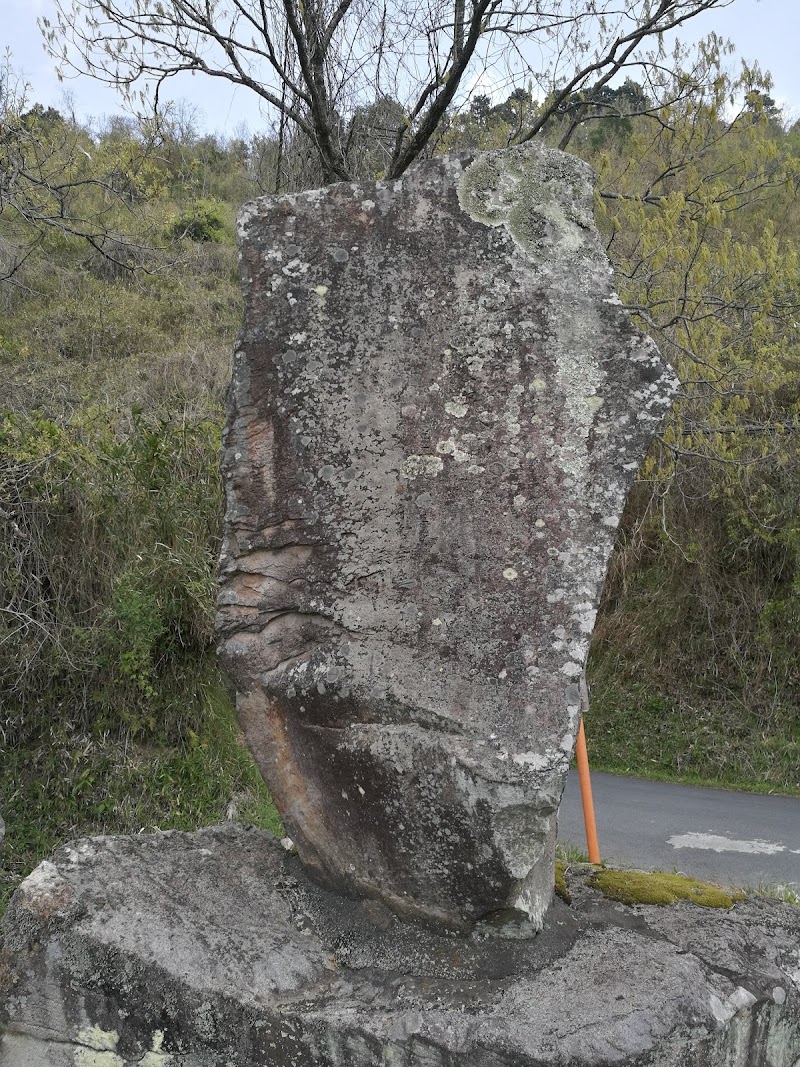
(113, 716)
(202, 221)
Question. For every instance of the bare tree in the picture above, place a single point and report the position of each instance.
(52, 182)
(315, 63)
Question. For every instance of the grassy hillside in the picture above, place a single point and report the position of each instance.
(115, 358)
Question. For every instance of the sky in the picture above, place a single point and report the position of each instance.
(766, 31)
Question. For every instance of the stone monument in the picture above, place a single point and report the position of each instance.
(438, 406)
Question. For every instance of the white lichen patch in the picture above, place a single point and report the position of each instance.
(295, 268)
(579, 378)
(245, 217)
(510, 574)
(43, 879)
(584, 616)
(418, 466)
(156, 1057)
(536, 761)
(452, 448)
(97, 1048)
(455, 408)
(541, 197)
(572, 669)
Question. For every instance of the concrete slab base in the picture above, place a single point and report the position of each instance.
(214, 949)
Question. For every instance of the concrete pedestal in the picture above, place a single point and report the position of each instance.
(214, 949)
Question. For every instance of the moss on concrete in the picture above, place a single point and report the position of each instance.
(637, 887)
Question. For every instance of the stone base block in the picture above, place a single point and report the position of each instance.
(214, 949)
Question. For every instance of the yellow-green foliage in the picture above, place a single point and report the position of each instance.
(637, 887)
(694, 642)
(202, 221)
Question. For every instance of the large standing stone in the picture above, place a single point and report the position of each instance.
(437, 407)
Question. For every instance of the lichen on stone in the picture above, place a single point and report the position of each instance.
(97, 1048)
(421, 471)
(542, 197)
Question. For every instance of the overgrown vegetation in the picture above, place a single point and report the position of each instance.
(112, 714)
(69, 781)
(118, 313)
(694, 666)
(107, 565)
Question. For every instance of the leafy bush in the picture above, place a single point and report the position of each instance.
(203, 221)
(113, 716)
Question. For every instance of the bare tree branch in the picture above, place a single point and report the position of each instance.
(318, 62)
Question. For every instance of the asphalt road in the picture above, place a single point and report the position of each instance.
(740, 839)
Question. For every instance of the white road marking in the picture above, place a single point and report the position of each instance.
(718, 843)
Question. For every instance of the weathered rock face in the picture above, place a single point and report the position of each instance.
(214, 949)
(437, 408)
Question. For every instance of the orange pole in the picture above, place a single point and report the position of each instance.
(586, 796)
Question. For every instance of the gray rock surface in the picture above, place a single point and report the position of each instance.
(215, 949)
(437, 408)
